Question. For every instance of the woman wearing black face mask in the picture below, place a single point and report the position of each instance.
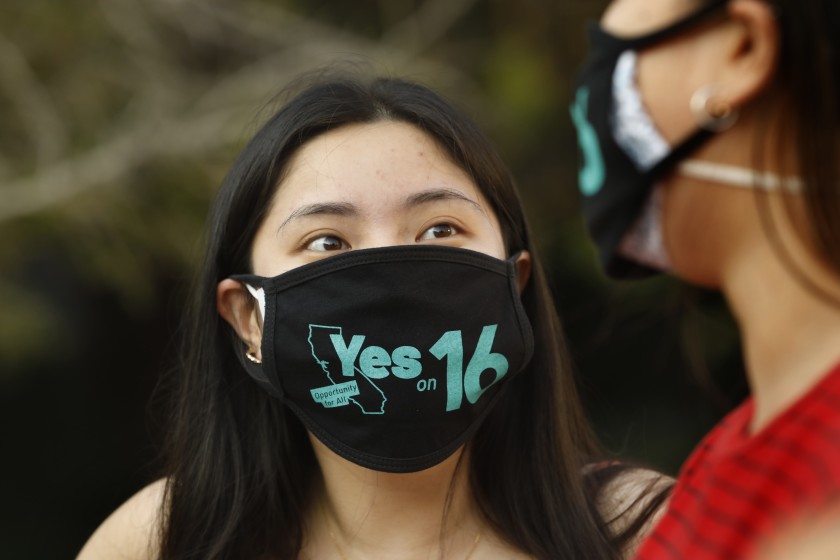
(374, 368)
(710, 132)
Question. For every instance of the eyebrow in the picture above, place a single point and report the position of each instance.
(438, 194)
(321, 208)
(348, 209)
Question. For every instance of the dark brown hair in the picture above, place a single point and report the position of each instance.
(807, 76)
(241, 469)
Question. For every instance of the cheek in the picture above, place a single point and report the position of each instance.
(666, 95)
(499, 250)
(268, 254)
(495, 244)
(261, 259)
(488, 242)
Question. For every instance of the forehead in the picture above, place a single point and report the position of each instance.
(371, 162)
(637, 17)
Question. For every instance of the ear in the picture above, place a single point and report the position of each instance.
(752, 51)
(239, 309)
(523, 270)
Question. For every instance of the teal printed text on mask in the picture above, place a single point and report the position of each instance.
(332, 396)
(372, 363)
(460, 382)
(368, 397)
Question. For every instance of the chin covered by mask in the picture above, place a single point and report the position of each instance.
(392, 357)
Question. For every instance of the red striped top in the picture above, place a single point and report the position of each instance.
(737, 489)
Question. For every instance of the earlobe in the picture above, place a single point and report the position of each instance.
(238, 308)
(523, 270)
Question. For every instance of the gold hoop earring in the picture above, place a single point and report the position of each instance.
(252, 356)
(710, 114)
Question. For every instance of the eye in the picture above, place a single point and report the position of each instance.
(327, 243)
(438, 231)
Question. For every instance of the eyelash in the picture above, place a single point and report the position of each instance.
(455, 230)
(309, 242)
(307, 245)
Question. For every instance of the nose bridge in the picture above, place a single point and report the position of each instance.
(385, 226)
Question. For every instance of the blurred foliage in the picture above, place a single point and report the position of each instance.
(119, 118)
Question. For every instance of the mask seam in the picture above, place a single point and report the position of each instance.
(320, 268)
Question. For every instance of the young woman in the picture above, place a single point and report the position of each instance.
(374, 366)
(711, 134)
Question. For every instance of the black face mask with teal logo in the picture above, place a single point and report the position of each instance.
(615, 180)
(393, 356)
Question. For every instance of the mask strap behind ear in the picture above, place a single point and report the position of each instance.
(738, 176)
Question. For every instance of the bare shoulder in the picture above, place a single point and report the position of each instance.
(130, 533)
(633, 495)
(814, 536)
(820, 545)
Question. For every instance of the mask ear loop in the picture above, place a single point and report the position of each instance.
(710, 114)
(253, 366)
(259, 295)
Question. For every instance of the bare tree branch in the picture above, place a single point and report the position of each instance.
(427, 24)
(309, 45)
(196, 20)
(272, 24)
(111, 161)
(179, 115)
(160, 80)
(391, 11)
(32, 103)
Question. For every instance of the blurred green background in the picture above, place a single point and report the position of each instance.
(118, 119)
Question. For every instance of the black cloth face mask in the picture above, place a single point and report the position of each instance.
(616, 177)
(392, 356)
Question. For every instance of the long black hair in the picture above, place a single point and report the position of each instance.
(241, 470)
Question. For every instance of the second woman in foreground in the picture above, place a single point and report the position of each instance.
(375, 367)
(710, 131)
